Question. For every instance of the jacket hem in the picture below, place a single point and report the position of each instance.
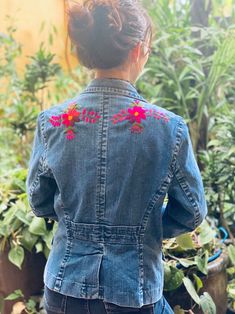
(85, 291)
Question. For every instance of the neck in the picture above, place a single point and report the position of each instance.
(122, 75)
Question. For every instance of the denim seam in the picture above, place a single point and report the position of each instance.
(166, 181)
(141, 271)
(43, 167)
(115, 91)
(184, 186)
(102, 157)
(60, 275)
(188, 195)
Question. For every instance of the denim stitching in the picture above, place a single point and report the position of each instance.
(165, 182)
(69, 242)
(114, 91)
(102, 157)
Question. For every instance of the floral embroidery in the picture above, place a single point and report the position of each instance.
(72, 115)
(136, 114)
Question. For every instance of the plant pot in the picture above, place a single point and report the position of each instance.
(29, 279)
(215, 283)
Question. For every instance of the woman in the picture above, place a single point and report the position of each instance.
(102, 164)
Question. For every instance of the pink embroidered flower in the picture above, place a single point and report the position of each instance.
(136, 128)
(70, 117)
(55, 120)
(136, 114)
(70, 134)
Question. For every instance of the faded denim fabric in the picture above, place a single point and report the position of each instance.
(106, 189)
(56, 303)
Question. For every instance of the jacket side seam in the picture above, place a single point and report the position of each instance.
(166, 181)
(39, 171)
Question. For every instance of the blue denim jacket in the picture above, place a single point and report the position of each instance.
(102, 164)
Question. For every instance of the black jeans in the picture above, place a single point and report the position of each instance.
(56, 303)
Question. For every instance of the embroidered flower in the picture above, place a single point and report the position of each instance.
(70, 134)
(136, 114)
(136, 128)
(71, 116)
(55, 120)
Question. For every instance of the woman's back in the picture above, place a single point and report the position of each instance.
(107, 159)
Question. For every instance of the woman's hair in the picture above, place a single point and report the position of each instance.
(104, 31)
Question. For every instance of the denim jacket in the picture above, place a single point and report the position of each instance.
(102, 164)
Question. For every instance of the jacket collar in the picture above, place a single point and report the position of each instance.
(113, 85)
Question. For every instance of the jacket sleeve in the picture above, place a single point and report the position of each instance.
(186, 207)
(40, 183)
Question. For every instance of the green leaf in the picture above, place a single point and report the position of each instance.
(172, 277)
(231, 253)
(185, 241)
(207, 304)
(15, 295)
(198, 281)
(206, 233)
(202, 262)
(16, 255)
(186, 262)
(28, 239)
(22, 217)
(191, 290)
(39, 247)
(38, 226)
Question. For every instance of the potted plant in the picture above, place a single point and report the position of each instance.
(25, 240)
(195, 271)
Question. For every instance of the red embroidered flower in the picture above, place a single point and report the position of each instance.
(136, 128)
(71, 116)
(70, 134)
(55, 120)
(136, 114)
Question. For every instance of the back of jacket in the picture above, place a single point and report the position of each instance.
(101, 165)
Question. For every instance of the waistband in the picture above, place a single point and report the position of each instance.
(104, 233)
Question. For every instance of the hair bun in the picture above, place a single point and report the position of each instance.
(104, 31)
(107, 10)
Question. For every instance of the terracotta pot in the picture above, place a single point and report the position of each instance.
(215, 283)
(29, 279)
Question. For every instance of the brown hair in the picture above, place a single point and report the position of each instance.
(104, 31)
